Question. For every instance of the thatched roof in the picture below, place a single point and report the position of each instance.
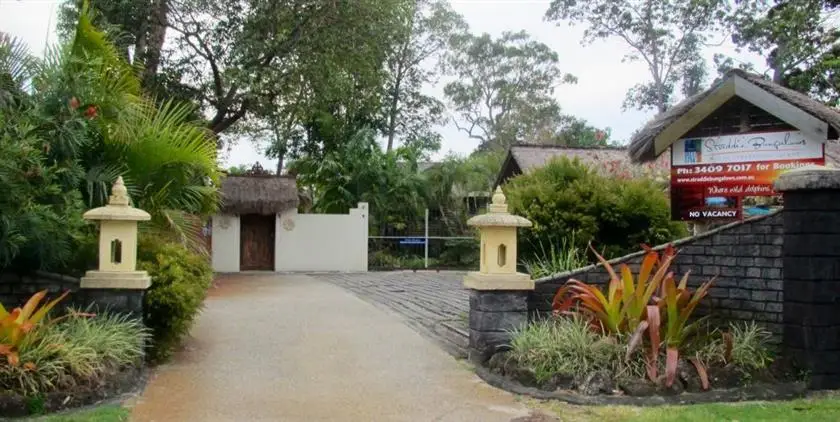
(832, 154)
(643, 148)
(534, 156)
(523, 158)
(265, 195)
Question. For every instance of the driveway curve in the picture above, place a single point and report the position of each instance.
(294, 348)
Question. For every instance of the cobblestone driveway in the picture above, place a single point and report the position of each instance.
(433, 303)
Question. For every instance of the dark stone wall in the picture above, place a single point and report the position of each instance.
(16, 289)
(745, 256)
(811, 257)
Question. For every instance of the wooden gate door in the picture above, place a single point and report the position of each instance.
(256, 235)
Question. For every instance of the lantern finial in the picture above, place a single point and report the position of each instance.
(119, 194)
(499, 204)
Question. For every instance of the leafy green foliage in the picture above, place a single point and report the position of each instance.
(180, 280)
(743, 344)
(504, 87)
(408, 113)
(667, 35)
(40, 213)
(798, 40)
(579, 133)
(80, 348)
(276, 64)
(385, 260)
(616, 215)
(449, 183)
(556, 259)
(568, 346)
(460, 253)
(67, 136)
(750, 345)
(361, 172)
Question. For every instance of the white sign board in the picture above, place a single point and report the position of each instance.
(750, 147)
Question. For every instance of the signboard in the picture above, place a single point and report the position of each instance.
(709, 176)
(412, 241)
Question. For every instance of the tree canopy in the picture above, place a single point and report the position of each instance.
(503, 87)
(666, 35)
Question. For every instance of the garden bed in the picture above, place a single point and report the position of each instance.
(600, 388)
(638, 342)
(109, 385)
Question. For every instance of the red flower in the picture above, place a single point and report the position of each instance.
(74, 103)
(90, 113)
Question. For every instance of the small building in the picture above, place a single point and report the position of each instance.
(258, 228)
(522, 158)
(244, 232)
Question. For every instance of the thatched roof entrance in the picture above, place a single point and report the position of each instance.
(264, 195)
(795, 109)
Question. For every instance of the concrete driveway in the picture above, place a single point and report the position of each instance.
(295, 348)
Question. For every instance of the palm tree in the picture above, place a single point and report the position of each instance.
(86, 105)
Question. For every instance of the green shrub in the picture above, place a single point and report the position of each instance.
(180, 280)
(460, 253)
(383, 259)
(568, 346)
(557, 259)
(74, 350)
(745, 345)
(418, 263)
(616, 214)
(750, 345)
(40, 214)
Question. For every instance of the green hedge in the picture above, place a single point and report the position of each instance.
(566, 197)
(180, 280)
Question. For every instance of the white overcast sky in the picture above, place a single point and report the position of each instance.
(603, 79)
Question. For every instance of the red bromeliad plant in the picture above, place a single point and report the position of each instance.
(17, 325)
(630, 307)
(679, 304)
(624, 306)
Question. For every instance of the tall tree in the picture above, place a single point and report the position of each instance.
(578, 132)
(667, 35)
(797, 38)
(503, 88)
(137, 28)
(240, 58)
(359, 171)
(423, 40)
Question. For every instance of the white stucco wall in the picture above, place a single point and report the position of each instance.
(225, 243)
(322, 242)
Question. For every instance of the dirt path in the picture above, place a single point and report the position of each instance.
(293, 348)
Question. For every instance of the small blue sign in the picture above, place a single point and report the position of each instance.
(413, 241)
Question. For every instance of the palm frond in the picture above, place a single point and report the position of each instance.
(17, 67)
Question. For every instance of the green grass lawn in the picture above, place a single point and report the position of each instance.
(108, 413)
(826, 408)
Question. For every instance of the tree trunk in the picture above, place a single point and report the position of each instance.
(392, 114)
(280, 163)
(158, 22)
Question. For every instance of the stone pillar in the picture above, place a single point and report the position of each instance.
(116, 285)
(811, 259)
(499, 295)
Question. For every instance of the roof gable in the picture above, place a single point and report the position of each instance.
(807, 115)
